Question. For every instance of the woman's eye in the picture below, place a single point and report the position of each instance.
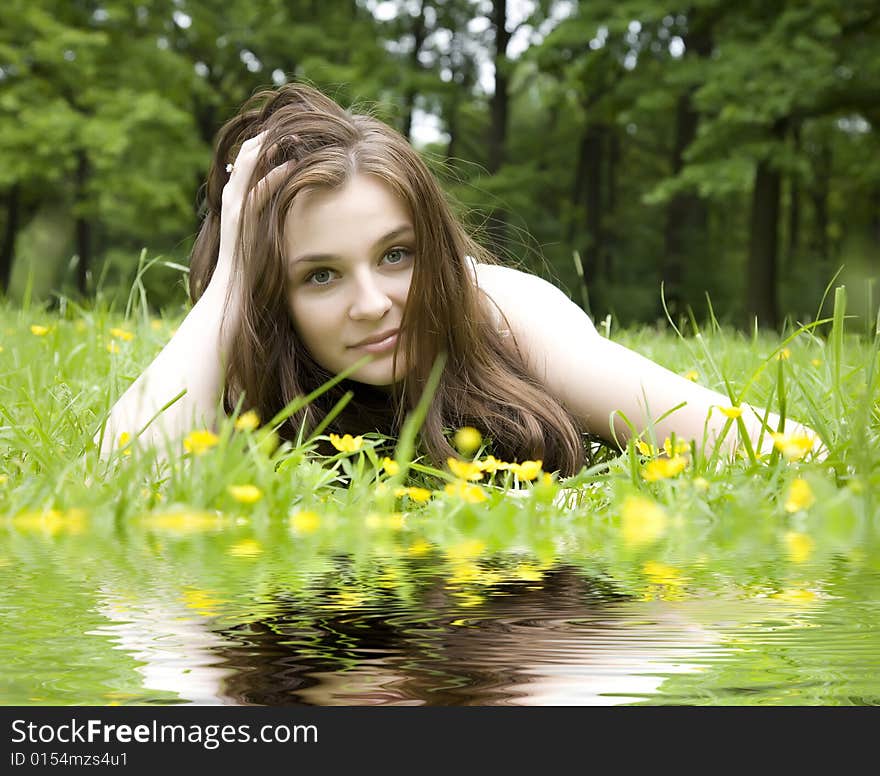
(396, 255)
(320, 277)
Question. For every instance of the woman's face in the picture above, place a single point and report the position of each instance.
(349, 253)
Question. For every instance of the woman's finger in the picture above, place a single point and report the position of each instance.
(268, 185)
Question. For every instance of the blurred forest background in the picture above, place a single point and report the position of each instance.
(726, 149)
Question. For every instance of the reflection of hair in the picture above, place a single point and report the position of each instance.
(485, 382)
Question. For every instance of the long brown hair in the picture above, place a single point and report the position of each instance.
(485, 382)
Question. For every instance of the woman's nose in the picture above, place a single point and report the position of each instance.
(370, 301)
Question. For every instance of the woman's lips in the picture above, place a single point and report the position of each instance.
(382, 346)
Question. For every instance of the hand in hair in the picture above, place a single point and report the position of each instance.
(243, 195)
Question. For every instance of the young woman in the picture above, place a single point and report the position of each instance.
(327, 240)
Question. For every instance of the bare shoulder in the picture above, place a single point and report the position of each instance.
(528, 302)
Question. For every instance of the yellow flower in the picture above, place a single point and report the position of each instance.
(731, 412)
(527, 470)
(248, 548)
(467, 440)
(491, 464)
(692, 374)
(248, 421)
(645, 449)
(792, 446)
(125, 336)
(816, 362)
(680, 447)
(783, 355)
(346, 443)
(800, 496)
(305, 522)
(390, 466)
(799, 546)
(642, 520)
(419, 495)
(245, 494)
(200, 441)
(466, 470)
(124, 439)
(38, 330)
(112, 347)
(470, 494)
(701, 483)
(155, 325)
(664, 468)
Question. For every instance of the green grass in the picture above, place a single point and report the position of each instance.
(716, 530)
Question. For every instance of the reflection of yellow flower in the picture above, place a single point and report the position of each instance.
(467, 550)
(201, 601)
(125, 336)
(661, 574)
(470, 494)
(467, 440)
(527, 470)
(346, 443)
(816, 362)
(39, 330)
(642, 520)
(730, 412)
(800, 496)
(466, 470)
(247, 548)
(305, 522)
(184, 521)
(796, 596)
(390, 466)
(51, 521)
(792, 446)
(664, 468)
(418, 548)
(248, 421)
(799, 546)
(692, 374)
(245, 494)
(200, 441)
(155, 325)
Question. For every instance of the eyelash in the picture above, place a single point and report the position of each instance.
(309, 279)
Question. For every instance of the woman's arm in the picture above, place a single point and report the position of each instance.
(594, 377)
(194, 359)
(191, 361)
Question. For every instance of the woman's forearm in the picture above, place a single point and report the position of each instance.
(192, 361)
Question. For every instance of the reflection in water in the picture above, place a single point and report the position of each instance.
(173, 649)
(565, 641)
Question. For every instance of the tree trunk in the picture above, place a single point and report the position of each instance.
(820, 191)
(10, 232)
(763, 243)
(794, 211)
(498, 109)
(83, 227)
(609, 237)
(409, 97)
(686, 214)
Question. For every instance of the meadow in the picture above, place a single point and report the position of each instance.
(768, 567)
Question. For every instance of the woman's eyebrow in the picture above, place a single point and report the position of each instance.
(398, 231)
